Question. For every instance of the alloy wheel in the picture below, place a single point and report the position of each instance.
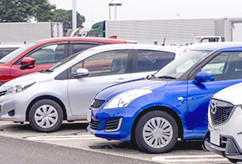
(157, 132)
(46, 116)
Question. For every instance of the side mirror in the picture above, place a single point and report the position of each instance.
(81, 72)
(204, 76)
(27, 62)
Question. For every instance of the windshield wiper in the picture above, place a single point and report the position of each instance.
(46, 70)
(151, 76)
(166, 77)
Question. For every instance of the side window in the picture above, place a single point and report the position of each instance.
(48, 54)
(81, 46)
(4, 52)
(225, 66)
(105, 63)
(149, 60)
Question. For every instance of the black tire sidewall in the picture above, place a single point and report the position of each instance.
(139, 130)
(233, 160)
(45, 102)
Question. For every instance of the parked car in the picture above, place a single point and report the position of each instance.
(7, 48)
(170, 105)
(45, 53)
(224, 130)
(65, 91)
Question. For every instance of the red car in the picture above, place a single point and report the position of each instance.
(42, 54)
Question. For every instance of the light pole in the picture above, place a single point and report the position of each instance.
(73, 15)
(115, 4)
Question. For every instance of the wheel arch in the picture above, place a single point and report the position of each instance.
(161, 108)
(46, 97)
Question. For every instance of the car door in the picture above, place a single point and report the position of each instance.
(105, 69)
(227, 70)
(44, 56)
(147, 62)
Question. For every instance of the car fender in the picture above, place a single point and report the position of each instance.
(50, 93)
(175, 112)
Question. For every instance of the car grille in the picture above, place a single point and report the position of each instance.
(220, 114)
(113, 124)
(94, 124)
(97, 103)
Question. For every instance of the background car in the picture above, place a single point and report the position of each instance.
(7, 48)
(225, 119)
(45, 53)
(157, 111)
(65, 91)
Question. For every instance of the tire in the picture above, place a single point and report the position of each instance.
(46, 115)
(233, 160)
(156, 132)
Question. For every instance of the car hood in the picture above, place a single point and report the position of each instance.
(114, 90)
(230, 94)
(37, 76)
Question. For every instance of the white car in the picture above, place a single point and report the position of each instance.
(224, 135)
(65, 91)
(7, 48)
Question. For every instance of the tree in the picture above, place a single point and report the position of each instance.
(65, 16)
(44, 11)
(24, 10)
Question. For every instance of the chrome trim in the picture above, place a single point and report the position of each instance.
(118, 127)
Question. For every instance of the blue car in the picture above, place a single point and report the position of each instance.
(170, 105)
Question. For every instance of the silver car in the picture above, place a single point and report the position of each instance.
(65, 91)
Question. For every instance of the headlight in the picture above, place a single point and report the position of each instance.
(124, 99)
(20, 87)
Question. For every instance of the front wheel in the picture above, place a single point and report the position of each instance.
(46, 115)
(156, 132)
(233, 160)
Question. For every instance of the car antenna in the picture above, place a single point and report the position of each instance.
(164, 41)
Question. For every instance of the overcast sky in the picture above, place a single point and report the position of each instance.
(98, 10)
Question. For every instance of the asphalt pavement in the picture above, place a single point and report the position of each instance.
(19, 143)
(14, 151)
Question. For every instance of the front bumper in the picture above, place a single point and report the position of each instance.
(13, 108)
(112, 124)
(228, 147)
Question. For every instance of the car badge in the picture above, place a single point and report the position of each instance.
(213, 107)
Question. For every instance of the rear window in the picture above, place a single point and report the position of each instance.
(5, 51)
(150, 60)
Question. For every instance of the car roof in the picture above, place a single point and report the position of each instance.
(10, 45)
(218, 46)
(85, 39)
(137, 46)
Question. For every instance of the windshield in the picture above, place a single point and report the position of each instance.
(196, 40)
(179, 66)
(16, 53)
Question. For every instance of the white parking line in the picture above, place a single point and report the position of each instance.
(58, 138)
(189, 158)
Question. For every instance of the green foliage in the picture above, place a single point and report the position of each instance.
(23, 10)
(41, 10)
(65, 16)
